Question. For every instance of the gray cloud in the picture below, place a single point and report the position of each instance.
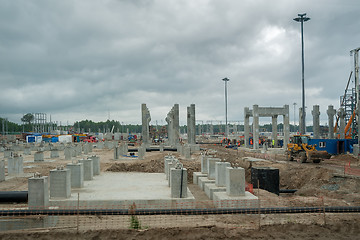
(84, 59)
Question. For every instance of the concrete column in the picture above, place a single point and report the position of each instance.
(60, 183)
(331, 113)
(167, 159)
(39, 156)
(255, 127)
(161, 147)
(171, 165)
(141, 152)
(235, 181)
(176, 124)
(15, 165)
(220, 173)
(246, 127)
(67, 153)
(211, 167)
(96, 164)
(187, 152)
(38, 194)
(316, 121)
(86, 148)
(77, 174)
(2, 170)
(146, 118)
(116, 153)
(178, 179)
(192, 123)
(286, 126)
(342, 116)
(274, 130)
(88, 169)
(204, 163)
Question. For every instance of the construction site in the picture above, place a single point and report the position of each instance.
(186, 185)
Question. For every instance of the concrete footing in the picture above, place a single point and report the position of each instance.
(211, 188)
(204, 180)
(15, 165)
(38, 195)
(96, 164)
(54, 153)
(60, 183)
(196, 176)
(178, 183)
(77, 174)
(39, 156)
(88, 169)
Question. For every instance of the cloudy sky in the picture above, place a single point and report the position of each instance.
(91, 59)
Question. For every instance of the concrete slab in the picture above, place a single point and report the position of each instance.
(196, 176)
(222, 200)
(202, 181)
(121, 190)
(210, 188)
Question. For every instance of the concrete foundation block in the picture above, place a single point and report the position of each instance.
(178, 183)
(210, 188)
(27, 151)
(39, 157)
(96, 164)
(8, 153)
(38, 195)
(15, 165)
(356, 150)
(204, 168)
(2, 170)
(60, 183)
(196, 175)
(220, 173)
(235, 181)
(204, 180)
(88, 169)
(222, 200)
(77, 174)
(170, 165)
(54, 153)
(211, 167)
(187, 152)
(116, 153)
(141, 152)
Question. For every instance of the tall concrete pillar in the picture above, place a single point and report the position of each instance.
(246, 126)
(170, 122)
(146, 118)
(286, 126)
(342, 116)
(300, 121)
(191, 128)
(331, 113)
(256, 127)
(274, 130)
(316, 121)
(176, 124)
(2, 170)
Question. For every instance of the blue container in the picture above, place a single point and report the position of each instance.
(334, 146)
(54, 139)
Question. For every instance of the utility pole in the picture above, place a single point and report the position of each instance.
(302, 18)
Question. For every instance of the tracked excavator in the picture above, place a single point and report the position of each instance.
(298, 149)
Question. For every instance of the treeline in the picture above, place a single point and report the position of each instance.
(116, 126)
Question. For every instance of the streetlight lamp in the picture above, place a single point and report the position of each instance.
(226, 123)
(302, 18)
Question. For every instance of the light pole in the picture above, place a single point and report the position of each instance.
(302, 18)
(294, 116)
(226, 123)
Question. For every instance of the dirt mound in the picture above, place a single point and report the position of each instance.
(152, 166)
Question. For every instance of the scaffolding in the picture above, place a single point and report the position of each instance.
(39, 122)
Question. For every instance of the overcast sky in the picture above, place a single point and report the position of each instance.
(92, 59)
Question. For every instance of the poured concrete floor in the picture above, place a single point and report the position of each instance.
(121, 189)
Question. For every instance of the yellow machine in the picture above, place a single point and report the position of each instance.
(300, 149)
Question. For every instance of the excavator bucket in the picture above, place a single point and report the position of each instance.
(317, 156)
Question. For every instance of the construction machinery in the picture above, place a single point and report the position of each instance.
(299, 149)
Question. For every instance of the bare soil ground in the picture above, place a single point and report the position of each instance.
(323, 184)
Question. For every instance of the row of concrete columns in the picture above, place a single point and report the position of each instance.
(331, 112)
